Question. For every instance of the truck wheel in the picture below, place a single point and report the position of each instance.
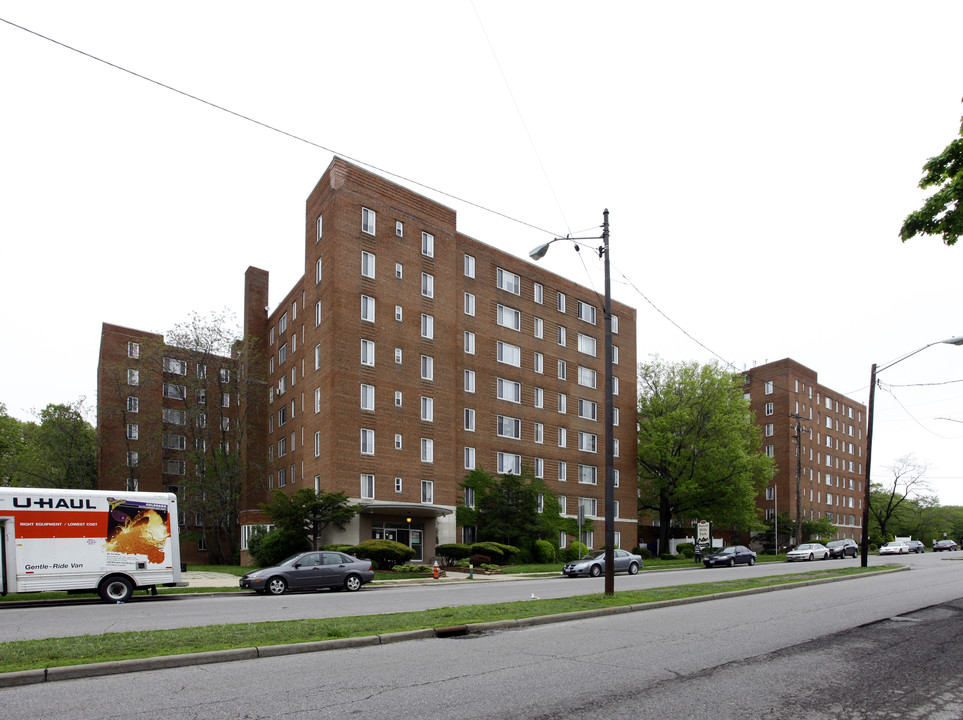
(116, 589)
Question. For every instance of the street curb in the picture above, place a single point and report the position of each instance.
(71, 672)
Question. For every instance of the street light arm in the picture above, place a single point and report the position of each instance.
(948, 341)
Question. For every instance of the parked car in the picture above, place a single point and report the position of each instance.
(310, 571)
(731, 555)
(843, 548)
(941, 545)
(915, 546)
(594, 563)
(808, 551)
(895, 547)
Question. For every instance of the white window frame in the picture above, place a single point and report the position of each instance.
(469, 265)
(427, 244)
(367, 264)
(367, 352)
(369, 221)
(508, 281)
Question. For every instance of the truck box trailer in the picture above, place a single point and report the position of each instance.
(110, 543)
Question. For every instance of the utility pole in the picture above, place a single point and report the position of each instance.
(798, 439)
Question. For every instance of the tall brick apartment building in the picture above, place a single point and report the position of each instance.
(409, 353)
(826, 479)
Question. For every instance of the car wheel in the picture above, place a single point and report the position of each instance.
(116, 589)
(352, 583)
(825, 556)
(633, 569)
(810, 556)
(595, 571)
(276, 586)
(731, 562)
(752, 561)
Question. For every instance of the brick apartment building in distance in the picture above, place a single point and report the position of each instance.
(826, 478)
(409, 353)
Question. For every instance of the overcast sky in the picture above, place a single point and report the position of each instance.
(758, 159)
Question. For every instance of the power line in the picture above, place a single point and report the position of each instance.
(272, 128)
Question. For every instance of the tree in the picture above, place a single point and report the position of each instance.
(59, 451)
(889, 500)
(942, 213)
(512, 509)
(308, 513)
(815, 529)
(699, 447)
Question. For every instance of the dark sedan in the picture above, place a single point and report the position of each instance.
(843, 548)
(731, 555)
(310, 571)
(941, 545)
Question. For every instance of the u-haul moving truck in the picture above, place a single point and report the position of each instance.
(88, 541)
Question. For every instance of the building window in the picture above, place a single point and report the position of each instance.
(561, 335)
(318, 226)
(587, 377)
(469, 342)
(509, 354)
(469, 304)
(173, 416)
(317, 271)
(399, 313)
(615, 354)
(317, 356)
(399, 228)
(317, 444)
(469, 497)
(398, 356)
(132, 431)
(586, 344)
(133, 350)
(367, 487)
(562, 437)
(427, 326)
(588, 474)
(540, 468)
(427, 450)
(469, 458)
(225, 400)
(769, 408)
(427, 409)
(562, 370)
(176, 367)
(590, 506)
(367, 397)
(469, 266)
(588, 409)
(367, 441)
(538, 293)
(133, 404)
(399, 271)
(615, 324)
(427, 491)
(588, 442)
(508, 281)
(469, 381)
(768, 387)
(509, 463)
(398, 484)
(171, 441)
(283, 324)
(539, 398)
(427, 244)
(367, 353)
(509, 317)
(317, 313)
(317, 400)
(561, 302)
(562, 403)
(470, 419)
(770, 430)
(132, 458)
(538, 326)
(427, 285)
(173, 467)
(367, 264)
(427, 367)
(397, 398)
(131, 484)
(368, 220)
(509, 427)
(539, 433)
(367, 308)
(586, 312)
(509, 390)
(133, 377)
(539, 362)
(398, 441)
(562, 471)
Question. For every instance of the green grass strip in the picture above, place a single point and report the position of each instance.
(84, 649)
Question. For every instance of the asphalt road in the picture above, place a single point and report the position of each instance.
(164, 612)
(876, 647)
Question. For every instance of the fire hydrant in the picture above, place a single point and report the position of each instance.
(435, 570)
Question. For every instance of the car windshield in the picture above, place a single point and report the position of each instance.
(835, 543)
(893, 544)
(805, 547)
(593, 555)
(727, 551)
(290, 560)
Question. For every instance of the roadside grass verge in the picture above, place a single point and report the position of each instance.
(84, 649)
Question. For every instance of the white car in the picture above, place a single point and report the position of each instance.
(896, 547)
(808, 551)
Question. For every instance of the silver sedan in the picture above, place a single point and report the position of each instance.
(808, 551)
(594, 563)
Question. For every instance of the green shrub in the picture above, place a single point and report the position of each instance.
(544, 551)
(498, 552)
(409, 568)
(386, 553)
(452, 553)
(642, 552)
(686, 550)
(270, 548)
(574, 551)
(667, 556)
